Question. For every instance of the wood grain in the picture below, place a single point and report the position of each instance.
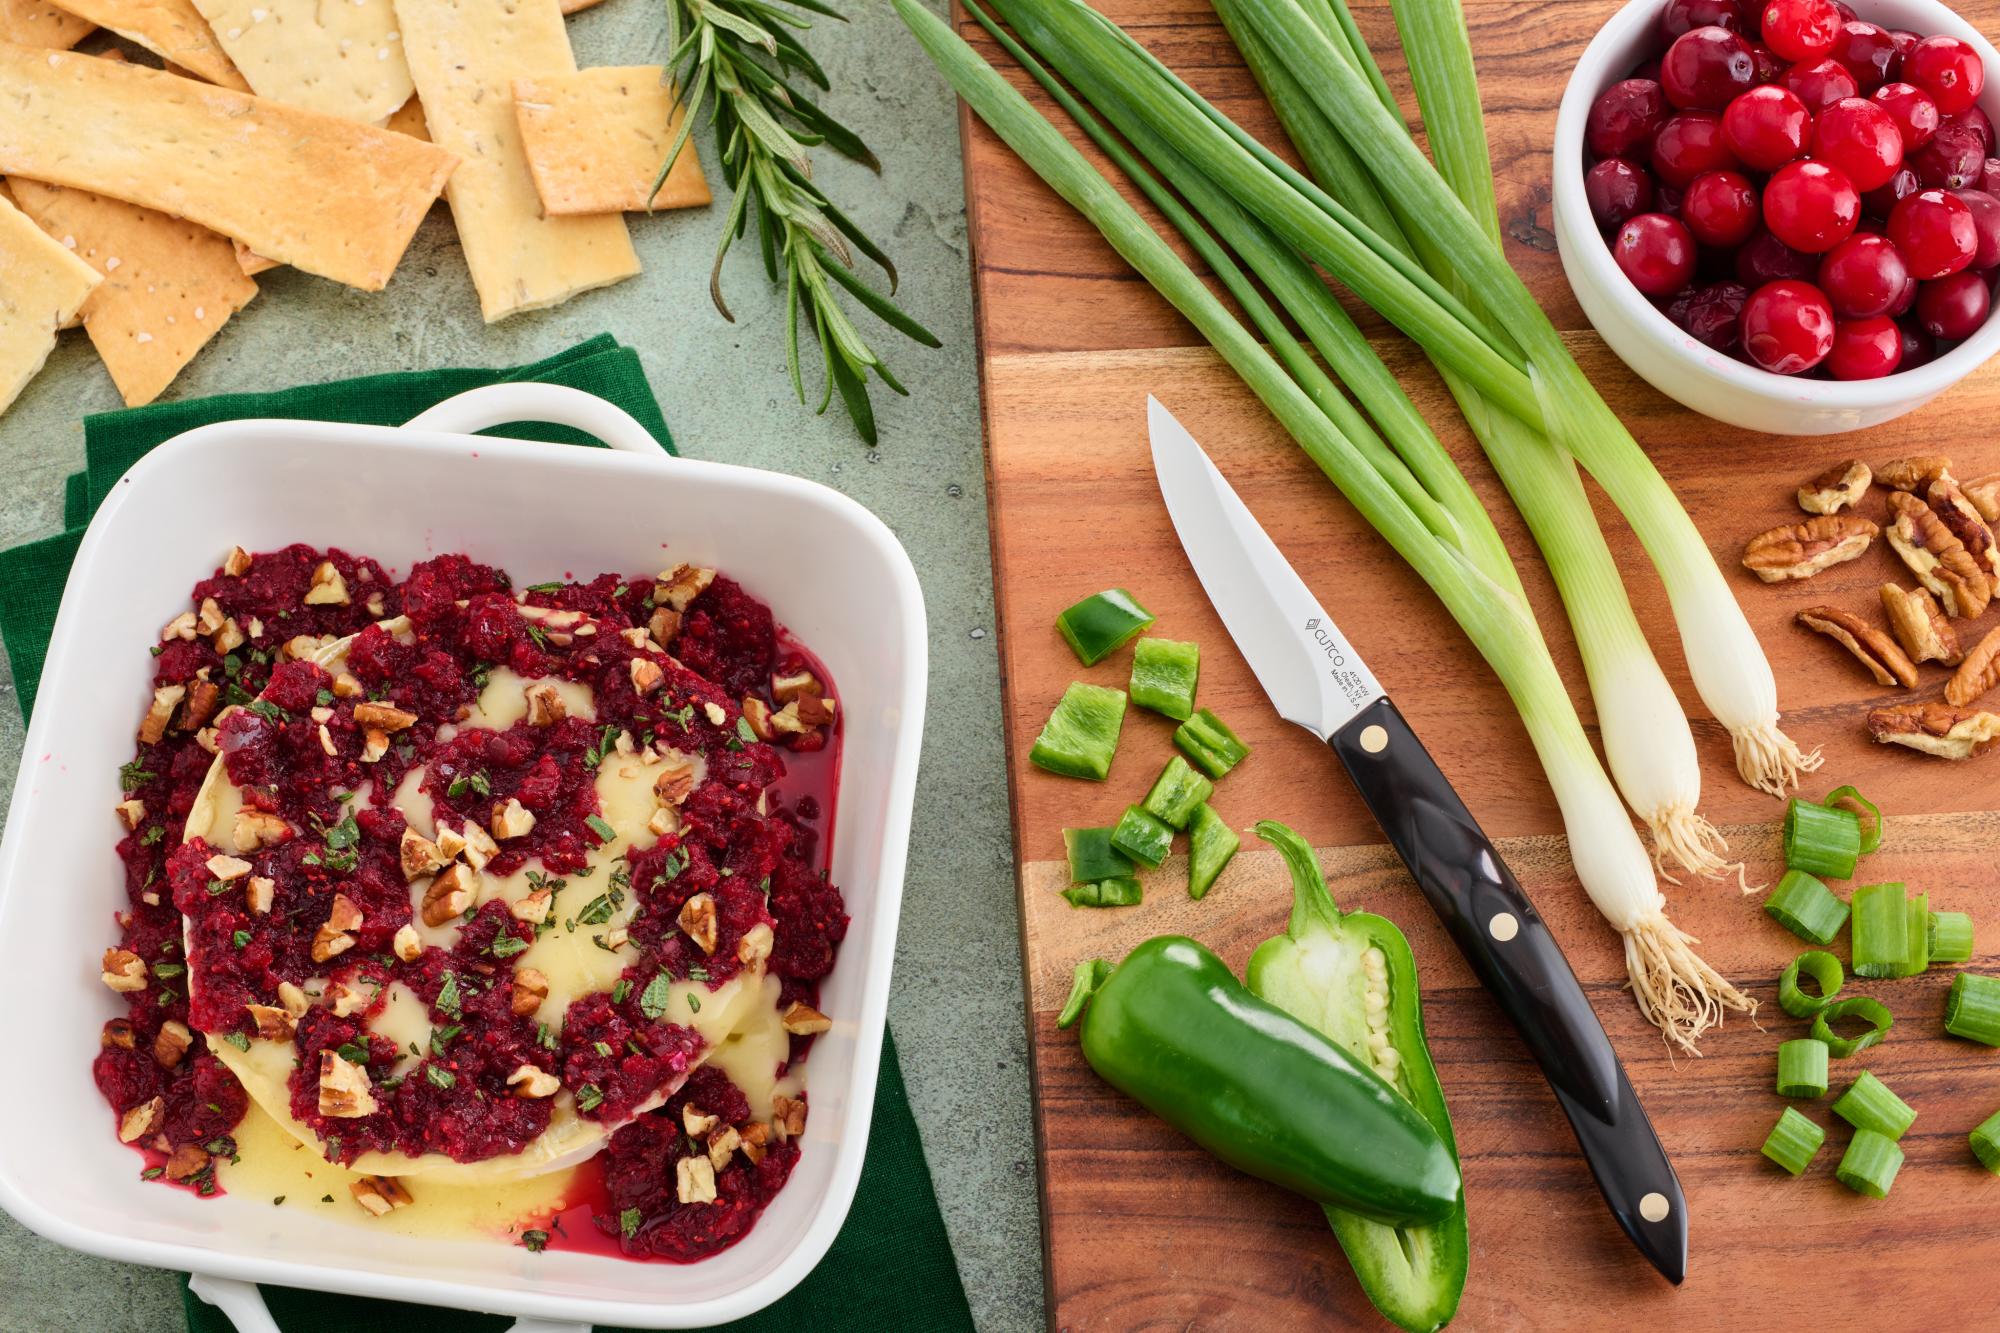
(1141, 1229)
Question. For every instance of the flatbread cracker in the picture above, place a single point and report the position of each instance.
(41, 285)
(575, 6)
(340, 57)
(171, 29)
(334, 198)
(409, 119)
(596, 140)
(41, 23)
(465, 56)
(168, 287)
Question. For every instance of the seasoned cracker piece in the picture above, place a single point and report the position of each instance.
(596, 141)
(343, 59)
(173, 30)
(42, 284)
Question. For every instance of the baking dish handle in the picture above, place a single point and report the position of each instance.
(528, 1324)
(502, 404)
(241, 1301)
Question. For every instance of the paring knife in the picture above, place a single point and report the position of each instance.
(1317, 681)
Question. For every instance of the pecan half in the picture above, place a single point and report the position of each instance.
(1913, 474)
(1976, 675)
(1984, 492)
(1841, 485)
(1870, 646)
(1938, 559)
(1939, 729)
(1801, 550)
(1957, 512)
(1922, 629)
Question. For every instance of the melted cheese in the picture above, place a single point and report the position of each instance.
(504, 701)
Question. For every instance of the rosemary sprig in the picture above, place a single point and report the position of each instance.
(747, 54)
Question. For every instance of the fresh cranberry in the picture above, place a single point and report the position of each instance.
(1625, 116)
(1978, 120)
(1801, 29)
(1689, 144)
(1684, 16)
(1919, 348)
(1811, 206)
(1863, 277)
(1713, 314)
(1915, 114)
(1864, 349)
(1861, 139)
(1666, 199)
(1646, 71)
(1989, 176)
(1954, 158)
(1935, 232)
(1847, 14)
(1764, 258)
(1704, 68)
(1882, 200)
(1954, 307)
(1986, 218)
(1820, 84)
(1720, 208)
(1906, 41)
(1868, 52)
(1617, 190)
(1787, 327)
(1656, 252)
(1948, 69)
(1767, 127)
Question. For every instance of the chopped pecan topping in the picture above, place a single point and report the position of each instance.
(531, 987)
(1922, 629)
(326, 740)
(512, 819)
(228, 868)
(186, 1163)
(347, 686)
(259, 892)
(209, 619)
(255, 829)
(722, 1143)
(1836, 488)
(142, 1120)
(797, 685)
(1937, 558)
(1913, 474)
(447, 896)
(676, 781)
(1801, 550)
(202, 697)
(237, 563)
(420, 856)
(1870, 646)
(1957, 512)
(171, 1043)
(131, 813)
(788, 1117)
(386, 717)
(294, 998)
(348, 1000)
(802, 1020)
(124, 970)
(273, 1023)
(336, 937)
(697, 921)
(1984, 492)
(1939, 729)
(380, 1195)
(479, 845)
(230, 637)
(328, 587)
(755, 946)
(694, 1180)
(614, 938)
(300, 647)
(180, 627)
(696, 1121)
(679, 586)
(375, 604)
(754, 1139)
(758, 714)
(530, 1082)
(646, 675)
(664, 625)
(208, 738)
(714, 713)
(545, 704)
(409, 945)
(533, 909)
(451, 843)
(117, 1032)
(1979, 673)
(345, 1092)
(665, 821)
(374, 744)
(165, 700)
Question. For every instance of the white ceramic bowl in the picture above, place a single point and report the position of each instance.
(1679, 365)
(830, 571)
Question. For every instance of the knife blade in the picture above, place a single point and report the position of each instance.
(1316, 680)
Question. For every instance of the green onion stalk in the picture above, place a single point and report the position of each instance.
(1675, 988)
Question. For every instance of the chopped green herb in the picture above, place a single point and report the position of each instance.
(323, 698)
(589, 1097)
(546, 1036)
(152, 835)
(628, 1221)
(535, 1241)
(694, 1003)
(506, 946)
(653, 1001)
(441, 1038)
(746, 731)
(553, 586)
(216, 886)
(232, 665)
(604, 831)
(621, 990)
(354, 1052)
(535, 633)
(448, 998)
(133, 775)
(238, 1040)
(603, 1048)
(240, 939)
(439, 1076)
(697, 974)
(269, 711)
(152, 1173)
(165, 970)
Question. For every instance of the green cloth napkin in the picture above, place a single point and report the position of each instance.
(891, 1266)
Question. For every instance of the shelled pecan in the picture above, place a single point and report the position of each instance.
(1836, 488)
(1923, 630)
(1937, 557)
(1870, 646)
(1801, 550)
(1939, 729)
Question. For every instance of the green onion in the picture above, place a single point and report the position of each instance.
(1868, 1104)
(1880, 931)
(1806, 907)
(1089, 979)
(1142, 837)
(1917, 934)
(1972, 1008)
(1823, 968)
(1802, 1068)
(1176, 793)
(1950, 935)
(1082, 734)
(1211, 843)
(1820, 841)
(1872, 839)
(1092, 857)
(1873, 1012)
(1122, 892)
(1101, 624)
(1164, 675)
(1213, 747)
(1870, 1164)
(1986, 1143)
(1794, 1141)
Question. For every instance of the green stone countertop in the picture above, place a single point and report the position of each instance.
(956, 1005)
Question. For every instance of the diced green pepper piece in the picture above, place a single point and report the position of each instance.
(1100, 624)
(1176, 793)
(1211, 842)
(1082, 734)
(1212, 746)
(1120, 892)
(1092, 857)
(1164, 674)
(1142, 837)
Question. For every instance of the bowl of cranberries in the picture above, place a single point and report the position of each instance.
(1785, 214)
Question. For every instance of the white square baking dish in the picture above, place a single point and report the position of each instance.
(829, 570)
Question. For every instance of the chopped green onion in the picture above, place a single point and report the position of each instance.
(1806, 907)
(1873, 1012)
(1917, 932)
(1972, 1009)
(1950, 937)
(1122, 892)
(1802, 1068)
(1870, 1164)
(1092, 857)
(1880, 931)
(1164, 675)
(1986, 1143)
(1211, 843)
(1090, 978)
(1099, 625)
(1176, 793)
(1082, 734)
(1868, 1104)
(1211, 745)
(1820, 841)
(1142, 837)
(1794, 1141)
(1823, 968)
(1872, 839)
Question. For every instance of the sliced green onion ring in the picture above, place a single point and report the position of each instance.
(1986, 1143)
(1794, 1141)
(1823, 968)
(1869, 1104)
(1872, 838)
(1972, 1009)
(1950, 937)
(1806, 907)
(1820, 841)
(1870, 1164)
(1873, 1012)
(1802, 1069)
(1880, 930)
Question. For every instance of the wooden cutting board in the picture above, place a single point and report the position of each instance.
(1142, 1229)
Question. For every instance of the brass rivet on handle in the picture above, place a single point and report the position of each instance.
(1504, 926)
(1654, 1207)
(1374, 739)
